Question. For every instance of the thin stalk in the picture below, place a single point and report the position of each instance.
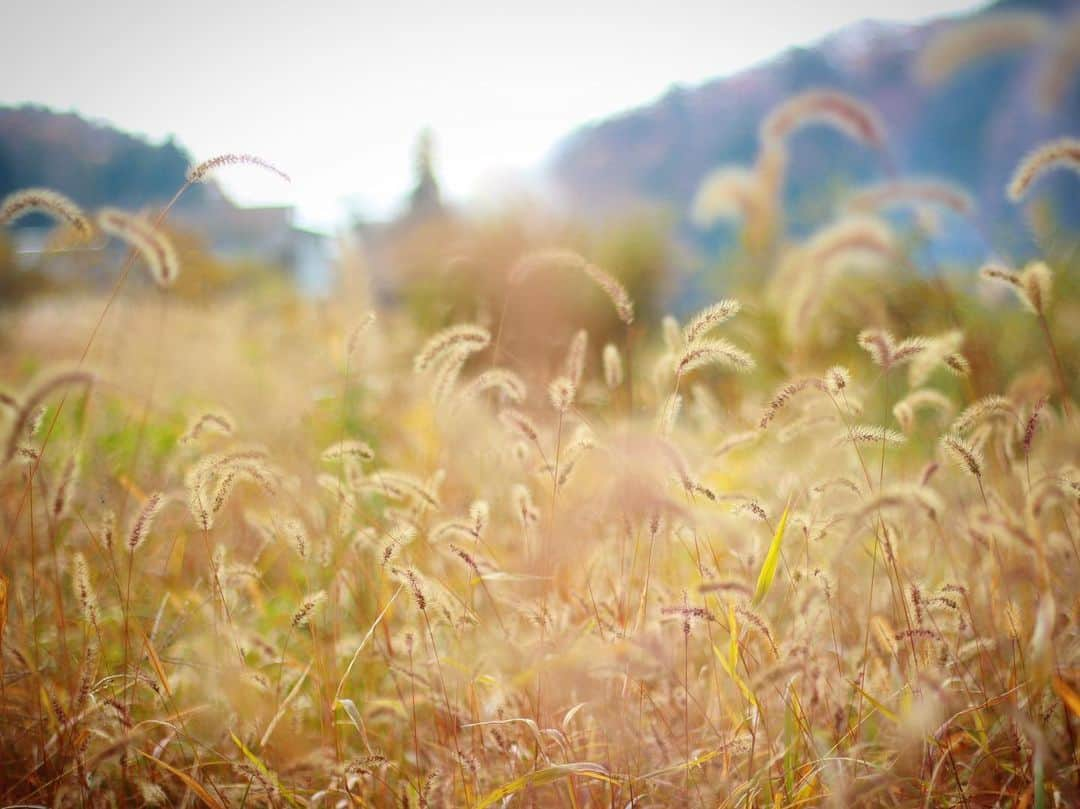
(129, 262)
(1058, 369)
(449, 712)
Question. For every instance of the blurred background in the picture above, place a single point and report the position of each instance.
(507, 169)
(433, 139)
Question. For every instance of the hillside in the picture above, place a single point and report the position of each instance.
(971, 129)
(92, 163)
(97, 165)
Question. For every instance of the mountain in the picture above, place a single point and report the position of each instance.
(972, 130)
(97, 165)
(92, 163)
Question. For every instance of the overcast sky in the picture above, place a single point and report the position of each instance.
(334, 92)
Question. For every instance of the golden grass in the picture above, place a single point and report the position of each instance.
(411, 568)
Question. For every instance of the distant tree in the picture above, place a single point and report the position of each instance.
(425, 201)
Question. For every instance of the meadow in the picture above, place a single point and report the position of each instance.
(812, 545)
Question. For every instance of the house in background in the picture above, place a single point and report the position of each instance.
(97, 165)
(267, 235)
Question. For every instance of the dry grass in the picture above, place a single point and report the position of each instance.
(410, 569)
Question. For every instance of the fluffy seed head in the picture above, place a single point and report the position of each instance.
(957, 364)
(402, 486)
(417, 589)
(349, 449)
(996, 272)
(713, 352)
(963, 454)
(709, 318)
(42, 200)
(1033, 286)
(84, 590)
(465, 557)
(28, 416)
(308, 606)
(559, 258)
(616, 292)
(65, 487)
(885, 352)
(353, 341)
(200, 172)
(145, 239)
(837, 379)
(1031, 424)
(958, 45)
(871, 434)
(1037, 282)
(519, 423)
(206, 423)
(879, 344)
(1059, 67)
(140, 529)
(1060, 153)
(225, 484)
(297, 536)
(673, 338)
(933, 356)
(502, 380)
(729, 192)
(108, 528)
(524, 507)
(852, 238)
(829, 107)
(988, 407)
(447, 372)
(479, 513)
(916, 191)
(574, 367)
(561, 392)
(735, 441)
(466, 337)
(151, 794)
(781, 399)
(613, 366)
(922, 399)
(669, 414)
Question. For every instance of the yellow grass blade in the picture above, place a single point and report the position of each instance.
(258, 764)
(890, 715)
(772, 559)
(194, 785)
(285, 706)
(1068, 695)
(155, 661)
(682, 765)
(547, 775)
(353, 713)
(531, 724)
(367, 637)
(734, 675)
(571, 714)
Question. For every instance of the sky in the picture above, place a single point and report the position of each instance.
(335, 92)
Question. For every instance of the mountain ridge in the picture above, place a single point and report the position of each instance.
(971, 131)
(91, 161)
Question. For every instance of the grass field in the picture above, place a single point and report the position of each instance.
(815, 545)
